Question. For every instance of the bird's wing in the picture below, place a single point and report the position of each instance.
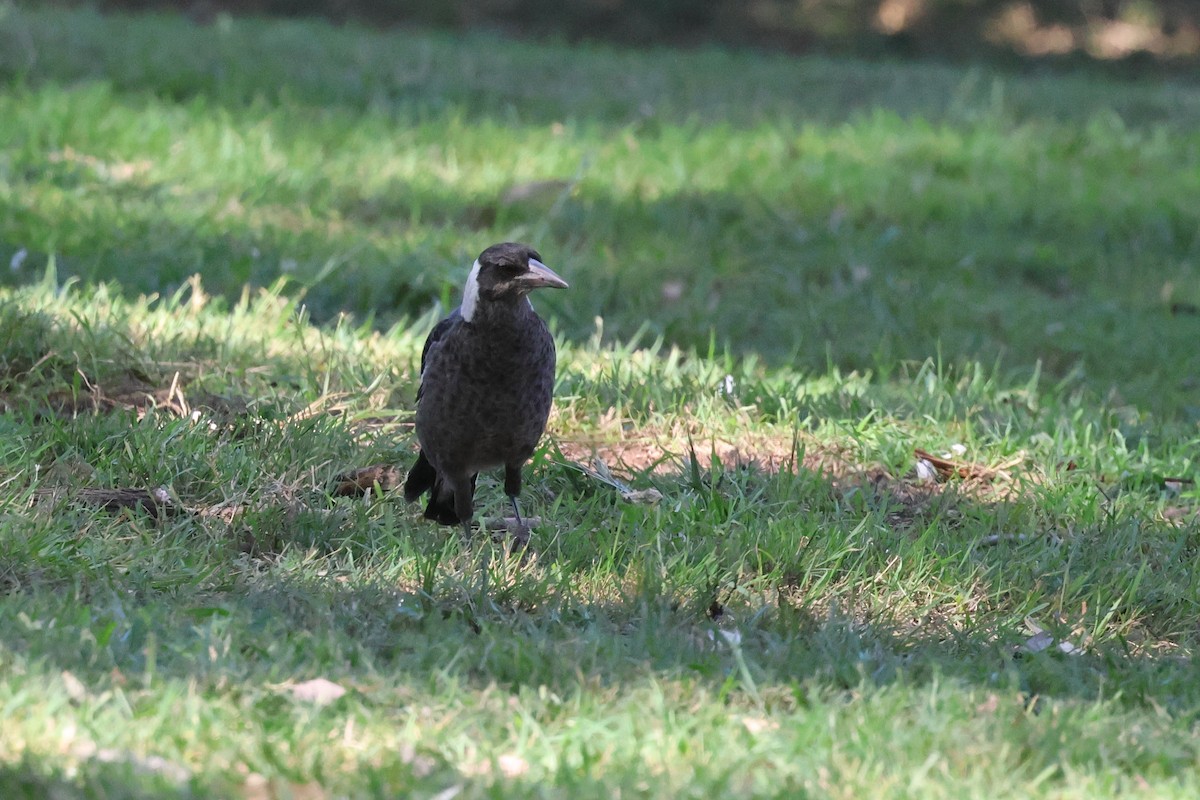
(439, 330)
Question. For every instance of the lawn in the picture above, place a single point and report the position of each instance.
(788, 275)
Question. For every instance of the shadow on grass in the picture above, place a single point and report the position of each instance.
(766, 589)
(482, 76)
(693, 267)
(117, 774)
(878, 594)
(37, 779)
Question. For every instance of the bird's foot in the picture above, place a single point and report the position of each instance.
(514, 530)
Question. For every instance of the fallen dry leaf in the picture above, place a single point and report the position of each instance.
(989, 705)
(1181, 515)
(926, 472)
(362, 481)
(318, 690)
(646, 497)
(757, 725)
(948, 468)
(1038, 642)
(512, 766)
(75, 688)
(1044, 640)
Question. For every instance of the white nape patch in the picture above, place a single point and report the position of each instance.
(471, 293)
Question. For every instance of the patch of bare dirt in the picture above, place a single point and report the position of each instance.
(938, 484)
(934, 484)
(671, 453)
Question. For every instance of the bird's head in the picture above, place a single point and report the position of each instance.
(506, 273)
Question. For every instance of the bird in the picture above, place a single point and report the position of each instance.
(487, 384)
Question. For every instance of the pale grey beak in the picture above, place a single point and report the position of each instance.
(540, 276)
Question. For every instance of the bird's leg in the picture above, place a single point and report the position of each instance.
(512, 498)
(512, 488)
(485, 564)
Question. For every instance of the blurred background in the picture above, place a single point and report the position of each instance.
(1102, 29)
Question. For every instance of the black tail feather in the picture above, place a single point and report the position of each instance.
(442, 510)
(441, 504)
(424, 478)
(421, 478)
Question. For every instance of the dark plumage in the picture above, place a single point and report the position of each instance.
(487, 377)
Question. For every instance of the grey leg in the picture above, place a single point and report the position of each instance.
(512, 498)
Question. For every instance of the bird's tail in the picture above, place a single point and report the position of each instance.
(421, 478)
(440, 508)
(424, 478)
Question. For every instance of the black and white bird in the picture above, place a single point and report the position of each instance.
(487, 380)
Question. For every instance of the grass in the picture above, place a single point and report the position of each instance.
(786, 275)
(890, 208)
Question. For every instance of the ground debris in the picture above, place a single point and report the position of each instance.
(647, 497)
(1181, 515)
(155, 501)
(363, 481)
(133, 392)
(996, 538)
(320, 691)
(600, 472)
(145, 764)
(929, 465)
(1044, 640)
(668, 452)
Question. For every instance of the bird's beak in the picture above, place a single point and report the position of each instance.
(540, 276)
